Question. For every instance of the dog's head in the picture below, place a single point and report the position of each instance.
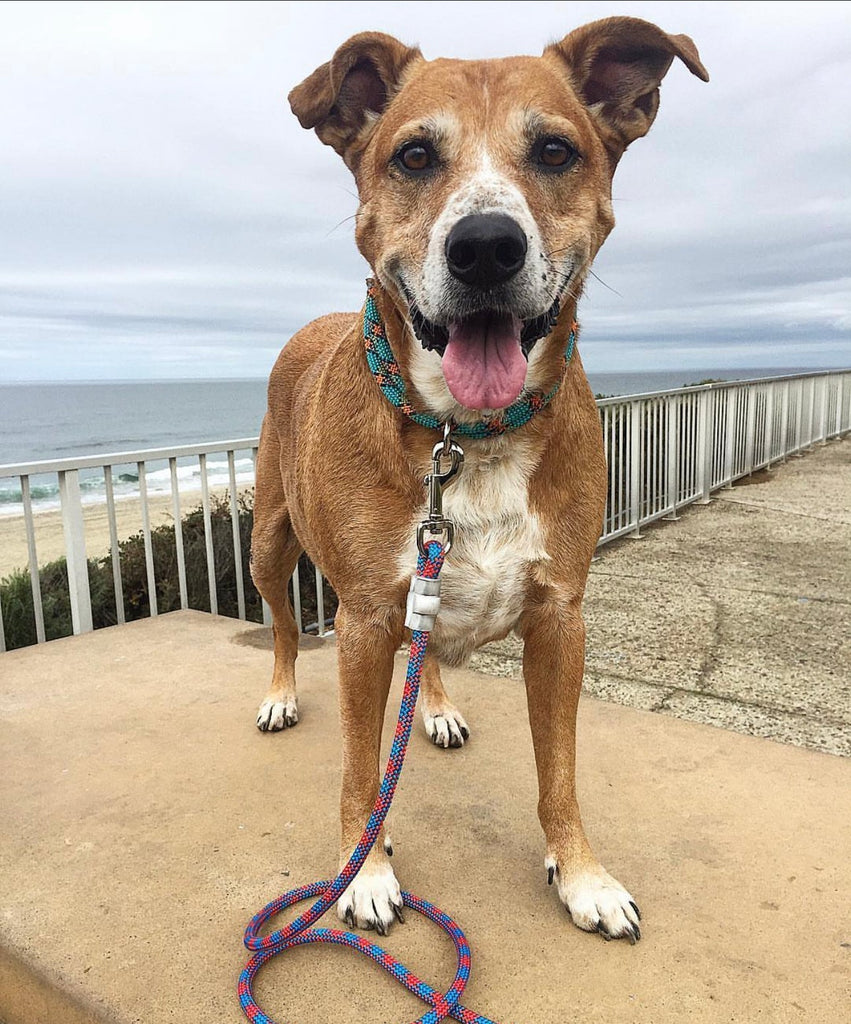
(485, 188)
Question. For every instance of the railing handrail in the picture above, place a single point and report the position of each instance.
(121, 458)
(717, 385)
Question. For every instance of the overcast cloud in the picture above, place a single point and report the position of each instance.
(163, 215)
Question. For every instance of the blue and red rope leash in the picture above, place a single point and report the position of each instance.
(299, 932)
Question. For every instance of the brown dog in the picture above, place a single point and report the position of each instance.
(485, 193)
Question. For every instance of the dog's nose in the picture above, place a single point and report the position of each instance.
(485, 249)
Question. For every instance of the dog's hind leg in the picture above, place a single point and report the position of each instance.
(444, 723)
(274, 554)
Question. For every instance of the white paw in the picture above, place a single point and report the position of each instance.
(597, 902)
(373, 899)
(446, 727)
(277, 714)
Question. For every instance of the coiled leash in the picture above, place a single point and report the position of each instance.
(422, 607)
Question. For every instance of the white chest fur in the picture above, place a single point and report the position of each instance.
(498, 542)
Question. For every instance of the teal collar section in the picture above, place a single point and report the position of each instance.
(385, 369)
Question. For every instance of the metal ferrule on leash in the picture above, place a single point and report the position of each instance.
(423, 604)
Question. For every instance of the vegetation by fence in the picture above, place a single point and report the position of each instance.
(16, 593)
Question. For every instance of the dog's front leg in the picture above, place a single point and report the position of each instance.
(553, 662)
(365, 647)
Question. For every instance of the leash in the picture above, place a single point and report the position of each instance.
(422, 607)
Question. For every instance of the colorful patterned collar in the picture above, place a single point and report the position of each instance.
(385, 369)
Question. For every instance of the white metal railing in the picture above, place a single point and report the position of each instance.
(664, 449)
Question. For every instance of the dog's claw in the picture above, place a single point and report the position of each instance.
(551, 873)
(635, 908)
(379, 924)
(397, 910)
(601, 928)
(350, 918)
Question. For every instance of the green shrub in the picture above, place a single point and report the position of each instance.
(16, 591)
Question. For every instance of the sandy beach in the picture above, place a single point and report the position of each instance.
(49, 535)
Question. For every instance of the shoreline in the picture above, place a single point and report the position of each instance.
(50, 537)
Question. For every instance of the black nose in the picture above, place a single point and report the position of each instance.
(485, 249)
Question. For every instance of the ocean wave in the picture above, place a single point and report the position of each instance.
(44, 490)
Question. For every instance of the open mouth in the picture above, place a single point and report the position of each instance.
(484, 355)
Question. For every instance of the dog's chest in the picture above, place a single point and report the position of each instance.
(498, 542)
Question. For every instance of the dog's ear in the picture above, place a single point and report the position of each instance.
(616, 66)
(343, 98)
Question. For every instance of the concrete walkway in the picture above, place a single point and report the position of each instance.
(738, 615)
(145, 819)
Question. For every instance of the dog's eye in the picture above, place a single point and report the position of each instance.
(555, 154)
(415, 158)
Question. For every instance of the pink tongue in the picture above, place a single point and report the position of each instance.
(483, 363)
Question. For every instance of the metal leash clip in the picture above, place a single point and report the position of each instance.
(437, 525)
(423, 601)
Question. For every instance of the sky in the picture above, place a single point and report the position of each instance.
(162, 214)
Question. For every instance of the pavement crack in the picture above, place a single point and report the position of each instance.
(670, 692)
(786, 511)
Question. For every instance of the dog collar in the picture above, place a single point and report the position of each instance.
(385, 369)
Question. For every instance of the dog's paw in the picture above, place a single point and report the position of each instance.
(373, 900)
(597, 902)
(274, 715)
(445, 726)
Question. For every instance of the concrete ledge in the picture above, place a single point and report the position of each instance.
(146, 819)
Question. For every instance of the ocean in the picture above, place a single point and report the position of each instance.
(64, 420)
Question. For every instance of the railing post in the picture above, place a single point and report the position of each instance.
(208, 535)
(704, 448)
(731, 417)
(32, 553)
(299, 625)
(784, 420)
(769, 425)
(750, 429)
(75, 551)
(799, 417)
(320, 601)
(147, 539)
(672, 440)
(237, 540)
(635, 447)
(824, 403)
(811, 433)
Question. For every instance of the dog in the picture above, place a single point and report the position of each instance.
(484, 195)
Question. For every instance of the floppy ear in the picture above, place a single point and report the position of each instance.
(616, 66)
(346, 95)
